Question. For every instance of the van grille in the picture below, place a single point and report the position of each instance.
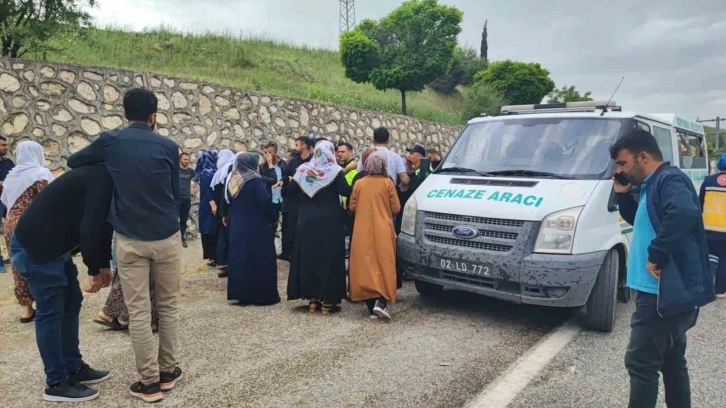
(475, 220)
(469, 244)
(495, 235)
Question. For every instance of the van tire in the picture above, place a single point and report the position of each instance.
(427, 289)
(603, 298)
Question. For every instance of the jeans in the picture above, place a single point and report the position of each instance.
(658, 344)
(58, 301)
(185, 205)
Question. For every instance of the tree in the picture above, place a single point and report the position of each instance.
(484, 49)
(520, 83)
(568, 94)
(482, 99)
(466, 64)
(406, 50)
(27, 25)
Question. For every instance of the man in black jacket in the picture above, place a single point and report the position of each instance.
(66, 217)
(290, 202)
(667, 265)
(272, 171)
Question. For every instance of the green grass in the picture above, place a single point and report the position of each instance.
(252, 63)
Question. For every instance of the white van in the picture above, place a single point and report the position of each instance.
(522, 208)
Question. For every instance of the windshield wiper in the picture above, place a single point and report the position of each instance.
(533, 173)
(462, 170)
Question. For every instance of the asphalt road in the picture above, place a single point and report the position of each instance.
(437, 352)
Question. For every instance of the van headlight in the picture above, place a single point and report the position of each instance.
(408, 224)
(557, 232)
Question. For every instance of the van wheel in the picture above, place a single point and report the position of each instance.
(426, 288)
(601, 305)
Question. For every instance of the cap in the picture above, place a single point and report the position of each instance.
(417, 149)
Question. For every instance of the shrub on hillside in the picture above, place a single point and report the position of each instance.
(482, 99)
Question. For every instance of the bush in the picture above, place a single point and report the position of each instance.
(482, 98)
(466, 64)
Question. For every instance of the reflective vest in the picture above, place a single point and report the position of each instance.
(714, 203)
(418, 171)
(349, 178)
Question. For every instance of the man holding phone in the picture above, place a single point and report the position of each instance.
(667, 266)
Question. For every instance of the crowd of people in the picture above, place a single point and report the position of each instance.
(124, 205)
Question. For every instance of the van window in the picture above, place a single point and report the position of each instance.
(569, 147)
(665, 142)
(690, 151)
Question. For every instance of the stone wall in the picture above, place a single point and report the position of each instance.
(64, 107)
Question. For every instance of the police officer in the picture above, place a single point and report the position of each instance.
(713, 205)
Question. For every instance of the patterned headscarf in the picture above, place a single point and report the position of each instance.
(320, 171)
(245, 169)
(206, 164)
(721, 165)
(224, 159)
(364, 156)
(377, 164)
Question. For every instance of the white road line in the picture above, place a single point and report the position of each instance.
(504, 389)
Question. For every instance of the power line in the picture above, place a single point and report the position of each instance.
(718, 121)
(347, 15)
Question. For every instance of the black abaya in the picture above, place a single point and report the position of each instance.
(317, 267)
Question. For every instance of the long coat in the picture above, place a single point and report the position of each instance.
(373, 248)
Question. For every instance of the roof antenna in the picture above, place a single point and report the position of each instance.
(605, 108)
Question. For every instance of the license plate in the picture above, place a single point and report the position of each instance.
(465, 267)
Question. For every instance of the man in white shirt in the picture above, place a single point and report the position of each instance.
(396, 166)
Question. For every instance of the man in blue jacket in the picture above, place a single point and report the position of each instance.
(667, 265)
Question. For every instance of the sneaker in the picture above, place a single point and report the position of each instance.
(148, 393)
(721, 296)
(69, 391)
(381, 309)
(373, 316)
(87, 376)
(169, 380)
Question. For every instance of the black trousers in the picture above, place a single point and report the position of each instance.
(371, 303)
(288, 232)
(717, 250)
(658, 344)
(185, 205)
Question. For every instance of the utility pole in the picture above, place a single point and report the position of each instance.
(718, 128)
(347, 15)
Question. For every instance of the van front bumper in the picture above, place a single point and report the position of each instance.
(537, 279)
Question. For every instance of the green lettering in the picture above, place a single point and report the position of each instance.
(505, 197)
(517, 199)
(530, 200)
(450, 193)
(440, 194)
(431, 193)
(470, 193)
(539, 202)
(479, 194)
(460, 194)
(494, 196)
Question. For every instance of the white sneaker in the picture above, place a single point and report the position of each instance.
(373, 317)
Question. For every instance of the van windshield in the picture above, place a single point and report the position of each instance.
(576, 148)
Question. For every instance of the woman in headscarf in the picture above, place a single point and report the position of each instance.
(225, 162)
(253, 263)
(713, 206)
(317, 267)
(28, 178)
(374, 202)
(206, 216)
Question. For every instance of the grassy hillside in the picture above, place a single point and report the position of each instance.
(257, 64)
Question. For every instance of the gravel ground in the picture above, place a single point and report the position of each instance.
(437, 352)
(590, 372)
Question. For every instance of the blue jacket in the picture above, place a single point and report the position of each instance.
(679, 249)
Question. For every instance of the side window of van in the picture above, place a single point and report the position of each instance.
(690, 152)
(663, 137)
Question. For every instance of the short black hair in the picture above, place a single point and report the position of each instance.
(304, 139)
(320, 139)
(381, 135)
(3, 138)
(433, 151)
(183, 154)
(271, 144)
(139, 104)
(346, 144)
(637, 141)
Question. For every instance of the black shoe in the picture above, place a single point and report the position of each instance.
(148, 393)
(381, 310)
(223, 273)
(184, 244)
(284, 257)
(69, 391)
(86, 375)
(169, 380)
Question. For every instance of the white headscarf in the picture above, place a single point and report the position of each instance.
(320, 171)
(224, 159)
(29, 169)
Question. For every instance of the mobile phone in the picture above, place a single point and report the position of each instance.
(622, 179)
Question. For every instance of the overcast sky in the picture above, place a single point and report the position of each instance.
(671, 52)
